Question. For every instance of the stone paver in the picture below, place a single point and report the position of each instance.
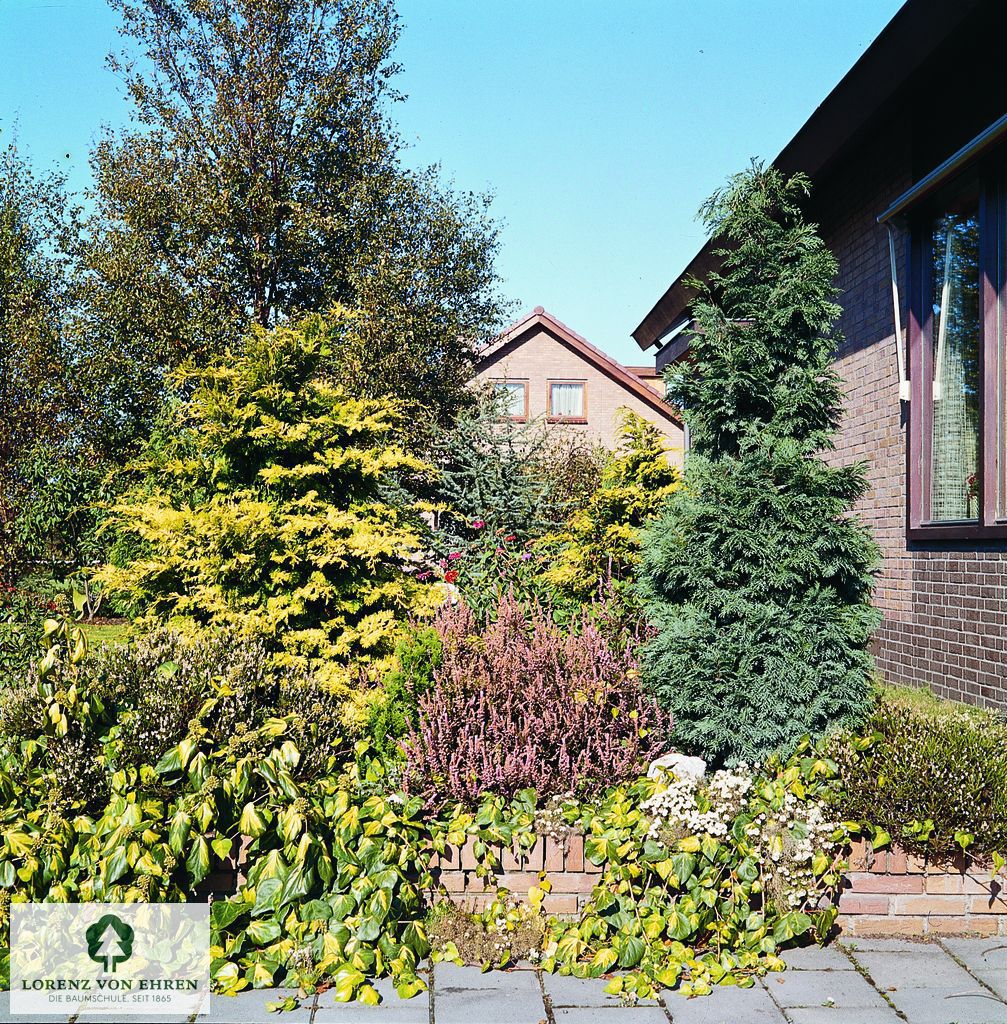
(929, 987)
(391, 1009)
(609, 1015)
(823, 989)
(817, 958)
(727, 1004)
(985, 958)
(935, 983)
(464, 995)
(837, 1015)
(252, 1006)
(565, 991)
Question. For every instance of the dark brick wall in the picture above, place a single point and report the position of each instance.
(944, 606)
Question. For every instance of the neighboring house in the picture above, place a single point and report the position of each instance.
(550, 372)
(914, 141)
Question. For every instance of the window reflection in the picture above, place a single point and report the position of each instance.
(954, 490)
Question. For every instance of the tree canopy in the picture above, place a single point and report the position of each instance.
(262, 179)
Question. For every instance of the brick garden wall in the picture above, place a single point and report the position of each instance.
(887, 893)
(894, 893)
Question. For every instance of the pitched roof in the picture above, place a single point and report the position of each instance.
(868, 88)
(538, 317)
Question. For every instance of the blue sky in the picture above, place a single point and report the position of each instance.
(599, 125)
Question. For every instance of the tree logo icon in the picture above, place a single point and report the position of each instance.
(109, 942)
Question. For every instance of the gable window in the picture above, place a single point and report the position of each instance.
(956, 443)
(513, 397)
(567, 401)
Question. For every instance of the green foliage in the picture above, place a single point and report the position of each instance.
(600, 543)
(756, 577)
(338, 863)
(930, 774)
(418, 655)
(260, 181)
(22, 617)
(494, 471)
(501, 486)
(263, 507)
(38, 390)
(694, 911)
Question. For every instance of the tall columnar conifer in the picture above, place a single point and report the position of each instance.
(757, 577)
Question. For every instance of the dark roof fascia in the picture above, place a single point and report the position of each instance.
(942, 174)
(865, 91)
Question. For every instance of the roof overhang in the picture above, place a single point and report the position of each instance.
(867, 90)
(945, 172)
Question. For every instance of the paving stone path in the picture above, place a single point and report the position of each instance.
(862, 981)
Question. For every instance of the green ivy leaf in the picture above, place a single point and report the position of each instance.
(198, 861)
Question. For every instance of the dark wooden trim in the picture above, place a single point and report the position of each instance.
(989, 241)
(957, 531)
(990, 522)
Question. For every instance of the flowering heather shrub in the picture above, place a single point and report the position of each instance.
(521, 702)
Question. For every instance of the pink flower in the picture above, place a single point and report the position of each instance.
(478, 524)
(443, 563)
(454, 556)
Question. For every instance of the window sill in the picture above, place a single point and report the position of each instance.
(957, 531)
(566, 419)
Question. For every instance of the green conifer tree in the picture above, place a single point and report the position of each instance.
(757, 578)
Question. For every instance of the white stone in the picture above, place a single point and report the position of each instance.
(680, 764)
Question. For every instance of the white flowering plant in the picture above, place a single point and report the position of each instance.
(703, 881)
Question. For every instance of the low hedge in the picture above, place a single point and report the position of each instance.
(929, 773)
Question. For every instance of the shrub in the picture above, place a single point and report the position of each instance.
(756, 578)
(397, 710)
(601, 541)
(680, 904)
(22, 615)
(692, 888)
(265, 506)
(523, 703)
(931, 774)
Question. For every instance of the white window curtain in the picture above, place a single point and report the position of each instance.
(567, 400)
(512, 393)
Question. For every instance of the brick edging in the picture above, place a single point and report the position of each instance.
(885, 892)
(891, 892)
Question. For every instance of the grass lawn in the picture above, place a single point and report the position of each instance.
(100, 633)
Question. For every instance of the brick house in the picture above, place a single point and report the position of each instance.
(550, 372)
(908, 159)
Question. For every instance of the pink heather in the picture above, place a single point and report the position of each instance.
(523, 703)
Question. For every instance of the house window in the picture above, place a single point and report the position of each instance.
(955, 335)
(567, 401)
(956, 451)
(513, 398)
